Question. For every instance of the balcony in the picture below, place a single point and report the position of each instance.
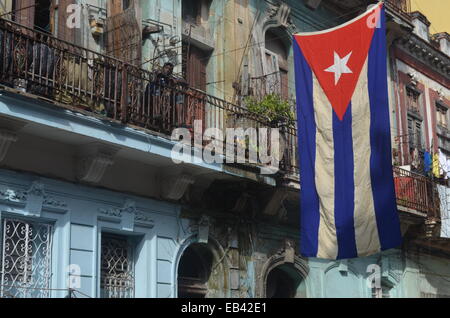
(416, 194)
(41, 66)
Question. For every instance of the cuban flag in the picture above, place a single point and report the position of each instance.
(348, 206)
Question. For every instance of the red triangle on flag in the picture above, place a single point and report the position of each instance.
(337, 57)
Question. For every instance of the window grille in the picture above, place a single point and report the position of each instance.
(25, 259)
(117, 270)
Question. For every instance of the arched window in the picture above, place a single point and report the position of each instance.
(194, 271)
(285, 281)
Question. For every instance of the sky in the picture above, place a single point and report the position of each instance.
(437, 12)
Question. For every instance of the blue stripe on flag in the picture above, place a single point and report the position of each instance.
(344, 185)
(309, 199)
(381, 159)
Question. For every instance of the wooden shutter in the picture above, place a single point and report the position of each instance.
(196, 68)
(123, 32)
(272, 73)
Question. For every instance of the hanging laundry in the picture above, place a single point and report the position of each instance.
(448, 168)
(436, 165)
(415, 159)
(443, 169)
(427, 162)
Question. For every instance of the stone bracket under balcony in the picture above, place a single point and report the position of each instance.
(6, 139)
(93, 162)
(273, 206)
(173, 187)
(9, 129)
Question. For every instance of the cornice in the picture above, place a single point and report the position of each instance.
(426, 53)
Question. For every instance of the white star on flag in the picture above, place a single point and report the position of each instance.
(339, 67)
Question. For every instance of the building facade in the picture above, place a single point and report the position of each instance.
(91, 202)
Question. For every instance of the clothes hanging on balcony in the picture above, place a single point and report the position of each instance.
(427, 162)
(448, 169)
(443, 169)
(436, 166)
(415, 159)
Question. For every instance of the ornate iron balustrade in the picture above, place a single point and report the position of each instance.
(416, 192)
(266, 84)
(62, 72)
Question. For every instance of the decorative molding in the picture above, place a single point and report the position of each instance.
(279, 16)
(13, 196)
(174, 187)
(289, 251)
(129, 216)
(111, 212)
(203, 229)
(143, 220)
(426, 54)
(300, 264)
(390, 272)
(343, 266)
(33, 200)
(6, 139)
(414, 79)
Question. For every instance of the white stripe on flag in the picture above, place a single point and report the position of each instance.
(366, 231)
(324, 170)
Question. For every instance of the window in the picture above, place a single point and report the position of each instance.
(191, 11)
(195, 61)
(117, 267)
(413, 100)
(275, 67)
(285, 281)
(42, 16)
(415, 133)
(441, 114)
(26, 259)
(194, 271)
(126, 4)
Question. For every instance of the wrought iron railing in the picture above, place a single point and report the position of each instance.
(416, 192)
(65, 73)
(266, 84)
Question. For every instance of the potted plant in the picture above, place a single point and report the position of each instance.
(276, 110)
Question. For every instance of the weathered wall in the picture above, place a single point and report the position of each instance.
(244, 253)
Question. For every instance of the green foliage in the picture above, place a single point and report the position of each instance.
(272, 107)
